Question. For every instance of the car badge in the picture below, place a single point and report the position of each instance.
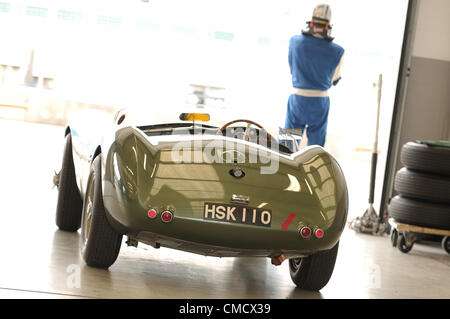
(237, 172)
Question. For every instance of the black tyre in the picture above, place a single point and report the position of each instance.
(428, 159)
(423, 186)
(100, 243)
(313, 272)
(402, 245)
(69, 206)
(420, 213)
(394, 237)
(446, 244)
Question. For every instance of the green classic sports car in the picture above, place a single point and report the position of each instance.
(227, 191)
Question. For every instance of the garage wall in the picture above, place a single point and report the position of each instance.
(427, 106)
(432, 30)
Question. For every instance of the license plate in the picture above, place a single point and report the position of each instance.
(237, 214)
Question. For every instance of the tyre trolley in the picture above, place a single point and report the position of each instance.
(403, 236)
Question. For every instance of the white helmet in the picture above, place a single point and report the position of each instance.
(320, 22)
(322, 12)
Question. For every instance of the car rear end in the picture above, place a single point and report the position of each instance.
(217, 196)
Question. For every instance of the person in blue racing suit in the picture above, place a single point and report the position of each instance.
(315, 62)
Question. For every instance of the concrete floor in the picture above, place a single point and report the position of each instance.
(38, 261)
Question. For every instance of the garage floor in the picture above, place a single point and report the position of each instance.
(38, 261)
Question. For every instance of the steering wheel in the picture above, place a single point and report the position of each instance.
(246, 134)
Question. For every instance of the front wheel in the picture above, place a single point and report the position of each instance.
(100, 243)
(313, 272)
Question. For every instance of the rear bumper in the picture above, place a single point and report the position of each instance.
(157, 240)
(222, 239)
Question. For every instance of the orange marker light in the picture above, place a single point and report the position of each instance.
(203, 117)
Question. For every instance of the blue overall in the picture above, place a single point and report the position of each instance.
(313, 62)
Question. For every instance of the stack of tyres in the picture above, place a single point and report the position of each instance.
(423, 186)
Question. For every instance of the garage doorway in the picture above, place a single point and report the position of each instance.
(112, 55)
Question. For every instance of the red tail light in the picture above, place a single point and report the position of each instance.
(152, 213)
(167, 216)
(305, 232)
(319, 233)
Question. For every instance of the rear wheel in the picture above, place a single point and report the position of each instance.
(313, 272)
(100, 243)
(69, 206)
(446, 244)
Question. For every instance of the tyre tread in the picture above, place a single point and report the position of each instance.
(427, 159)
(420, 213)
(423, 186)
(315, 270)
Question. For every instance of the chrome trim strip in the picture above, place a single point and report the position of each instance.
(240, 199)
